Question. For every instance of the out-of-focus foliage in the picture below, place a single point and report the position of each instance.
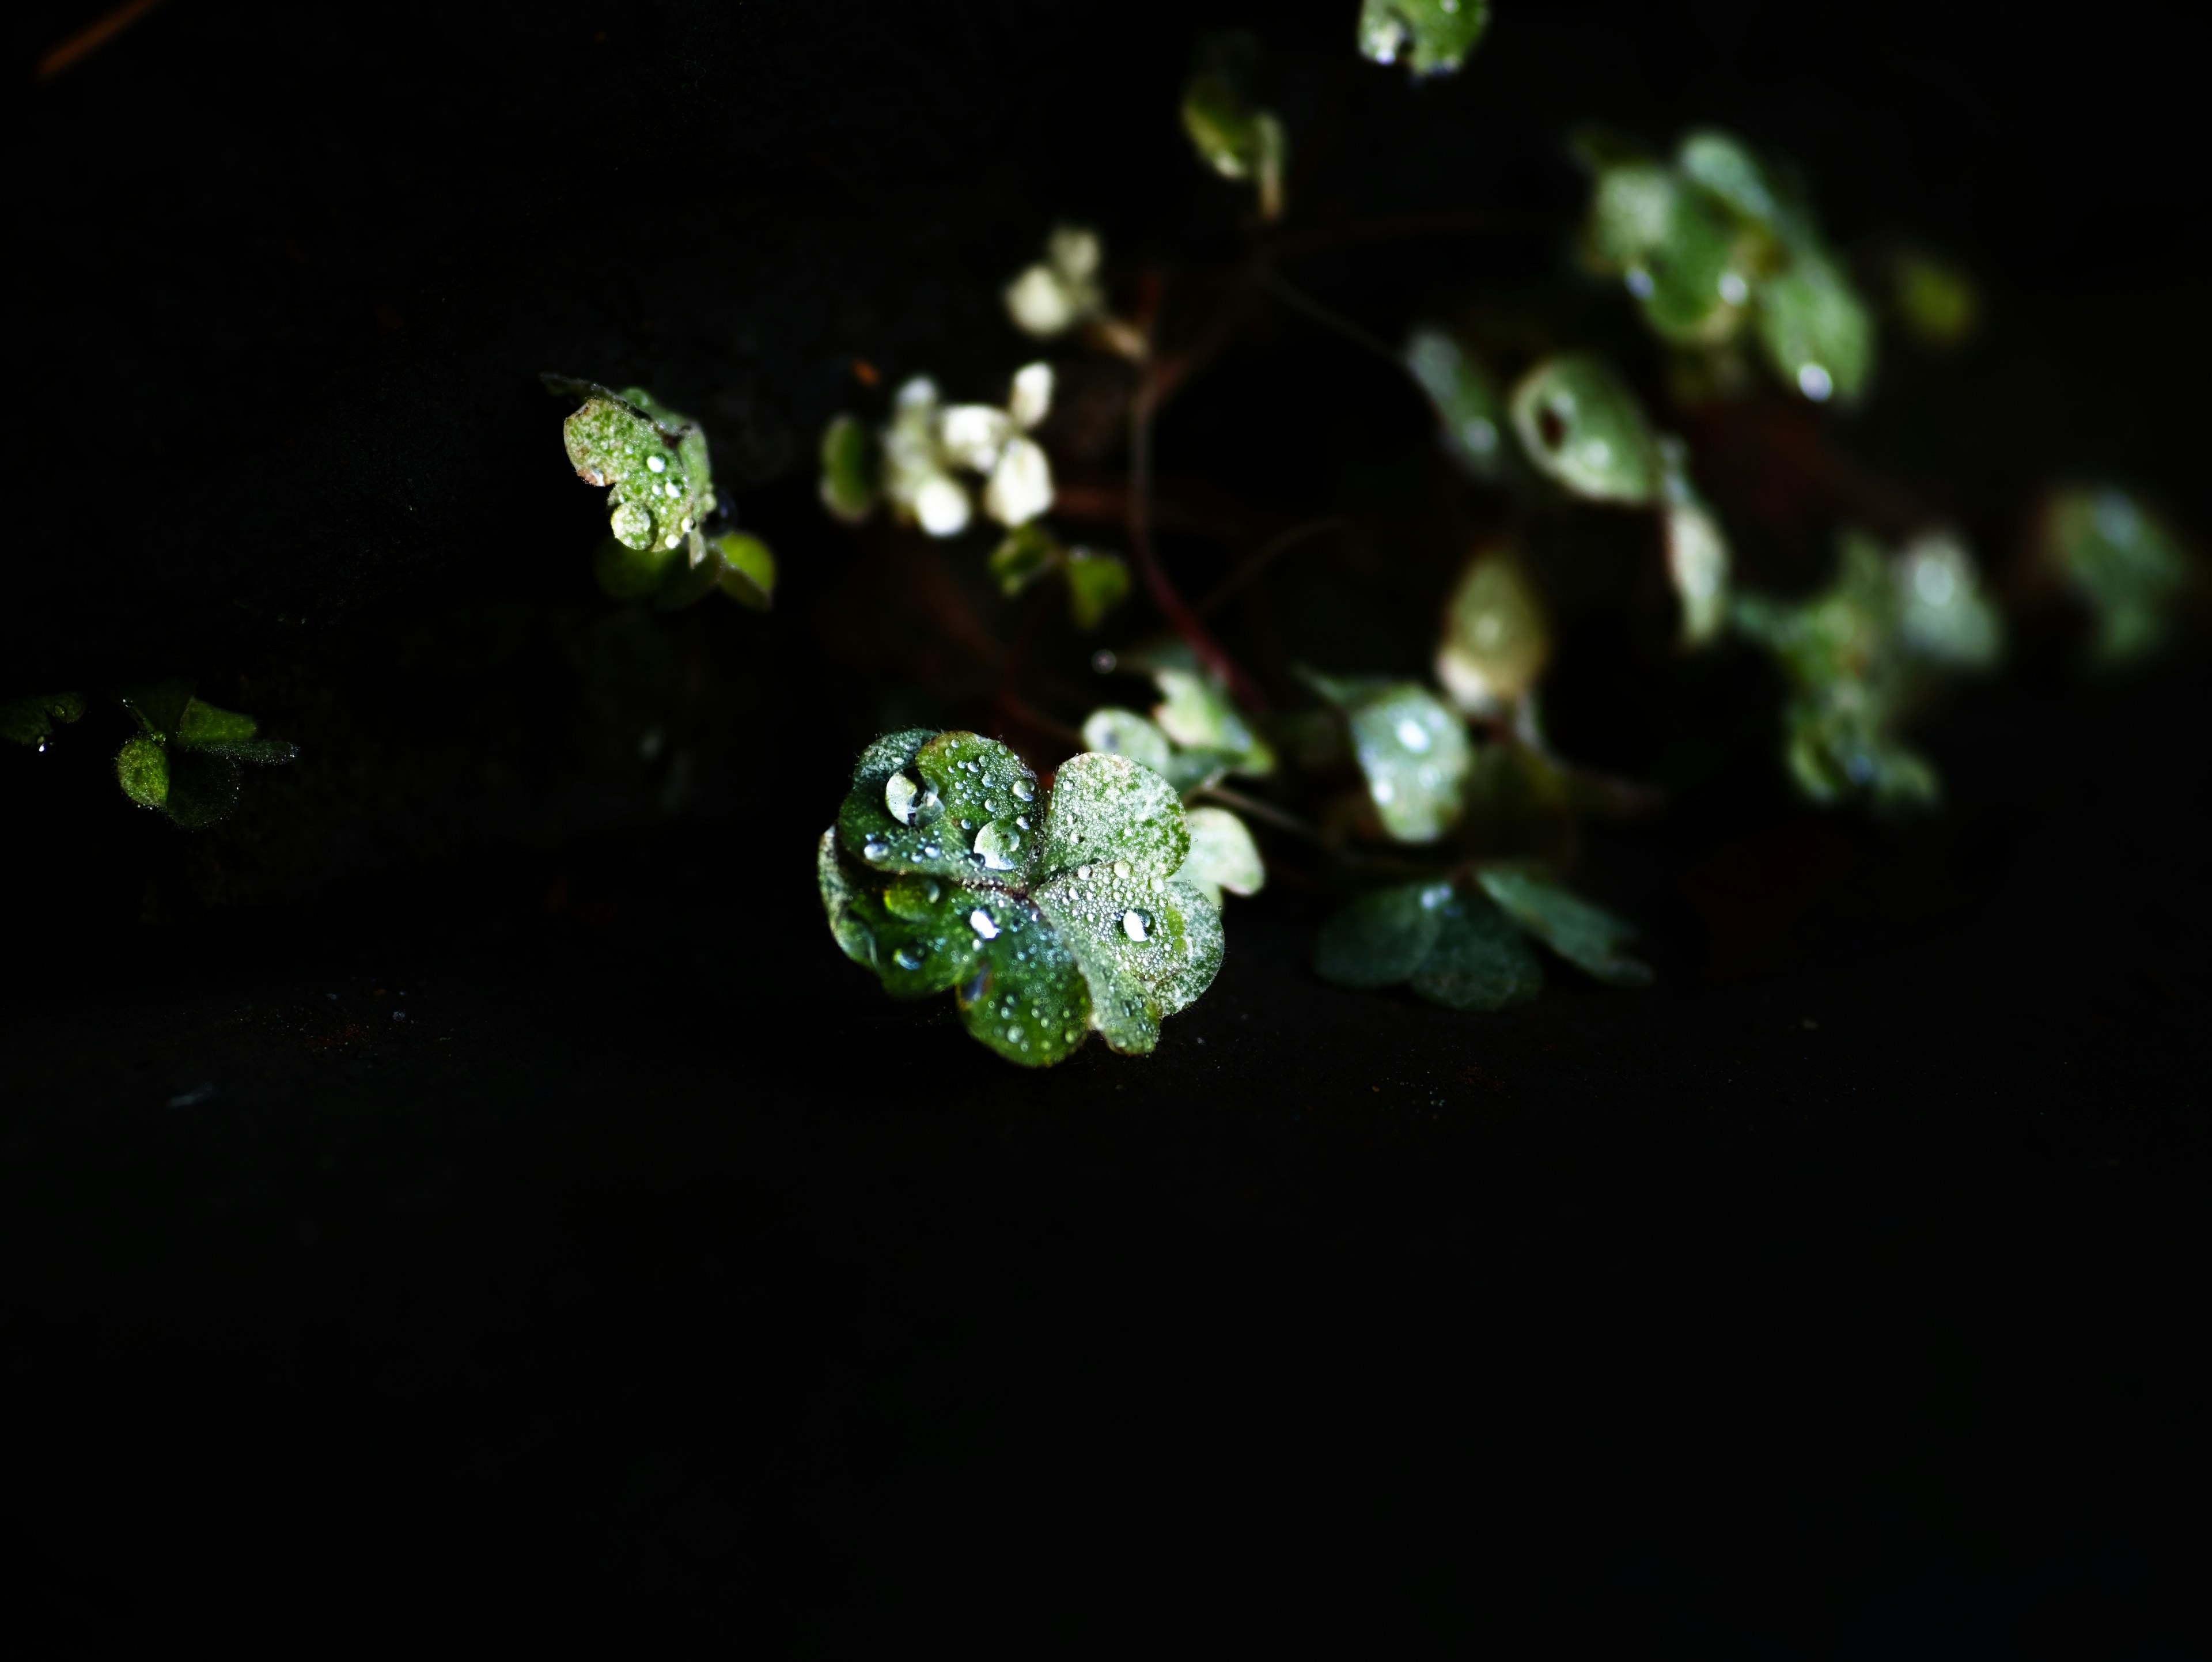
(32, 720)
(1049, 913)
(1452, 942)
(1223, 855)
(1429, 37)
(1861, 658)
(1496, 642)
(1231, 132)
(1470, 411)
(1411, 747)
(1698, 559)
(1719, 240)
(1587, 936)
(185, 758)
(2122, 562)
(1096, 582)
(1060, 290)
(1936, 301)
(1578, 422)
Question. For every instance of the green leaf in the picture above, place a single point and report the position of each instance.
(1817, 331)
(1495, 641)
(142, 768)
(1479, 960)
(653, 461)
(1431, 37)
(1231, 132)
(1196, 713)
(1455, 947)
(1585, 935)
(1697, 558)
(1579, 423)
(1097, 583)
(1223, 854)
(1060, 290)
(158, 707)
(849, 490)
(204, 727)
(1412, 749)
(1936, 301)
(2125, 564)
(203, 788)
(1465, 398)
(1023, 555)
(748, 574)
(1675, 248)
(1084, 922)
(1732, 172)
(31, 721)
(1942, 617)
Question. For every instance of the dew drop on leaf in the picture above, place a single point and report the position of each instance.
(980, 921)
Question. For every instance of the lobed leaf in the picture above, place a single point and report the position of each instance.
(1412, 750)
(1223, 855)
(653, 461)
(1587, 936)
(1452, 945)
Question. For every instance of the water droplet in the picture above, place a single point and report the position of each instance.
(1639, 282)
(1120, 868)
(1021, 820)
(932, 889)
(1134, 924)
(911, 803)
(656, 464)
(978, 985)
(875, 850)
(908, 957)
(996, 844)
(980, 921)
(1024, 791)
(1814, 382)
(1413, 735)
(1083, 872)
(967, 825)
(1734, 290)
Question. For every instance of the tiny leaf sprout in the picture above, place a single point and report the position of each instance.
(184, 759)
(1429, 37)
(1050, 911)
(1231, 133)
(668, 542)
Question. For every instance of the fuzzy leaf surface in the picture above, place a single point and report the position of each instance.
(1587, 936)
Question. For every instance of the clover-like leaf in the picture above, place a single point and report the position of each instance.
(1469, 410)
(1579, 423)
(32, 720)
(1429, 37)
(1231, 133)
(1587, 936)
(1495, 641)
(1055, 917)
(1678, 250)
(184, 759)
(1818, 333)
(1223, 855)
(2120, 560)
(1412, 749)
(660, 487)
(1452, 945)
(1196, 712)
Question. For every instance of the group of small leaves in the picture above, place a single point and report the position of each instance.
(184, 759)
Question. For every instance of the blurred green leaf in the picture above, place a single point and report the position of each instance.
(1196, 712)
(1495, 641)
(1097, 583)
(653, 462)
(1936, 300)
(1675, 248)
(2125, 564)
(1455, 946)
(1412, 750)
(1817, 331)
(748, 573)
(203, 788)
(1023, 555)
(32, 720)
(1061, 289)
(1471, 412)
(1223, 854)
(158, 707)
(1580, 425)
(1431, 37)
(1047, 912)
(1231, 133)
(1697, 558)
(849, 490)
(1587, 936)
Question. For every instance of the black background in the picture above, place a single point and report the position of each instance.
(1830, 1299)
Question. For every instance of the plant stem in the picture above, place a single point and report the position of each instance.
(1268, 812)
(1254, 563)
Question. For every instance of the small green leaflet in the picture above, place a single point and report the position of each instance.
(1580, 425)
(2121, 561)
(1412, 750)
(1429, 37)
(184, 759)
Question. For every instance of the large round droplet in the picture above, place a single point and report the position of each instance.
(980, 921)
(1136, 925)
(911, 802)
(908, 957)
(1024, 791)
(997, 844)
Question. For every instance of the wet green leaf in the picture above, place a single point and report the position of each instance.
(1677, 249)
(1066, 911)
(1578, 422)
(849, 489)
(1429, 37)
(748, 573)
(1121, 732)
(1097, 583)
(1412, 750)
(142, 768)
(1495, 640)
(1195, 711)
(1380, 938)
(1469, 410)
(2125, 562)
(1733, 173)
(1697, 558)
(1817, 331)
(1023, 555)
(1231, 133)
(32, 720)
(1223, 854)
(661, 489)
(1587, 936)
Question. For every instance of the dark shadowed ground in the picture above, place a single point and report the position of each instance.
(471, 1177)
